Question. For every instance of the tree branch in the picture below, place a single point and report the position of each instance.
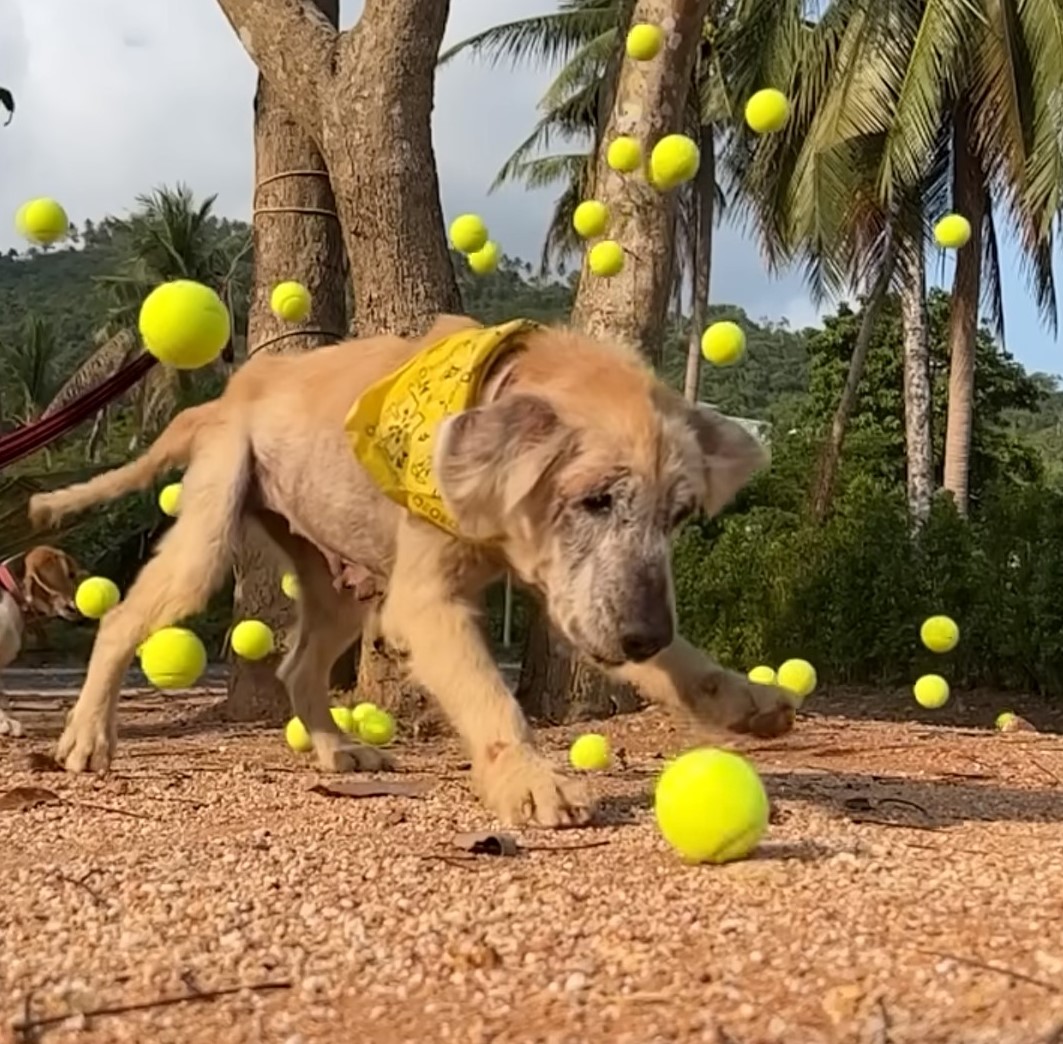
(292, 43)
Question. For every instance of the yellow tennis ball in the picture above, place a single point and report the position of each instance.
(468, 233)
(297, 737)
(170, 499)
(624, 154)
(606, 258)
(590, 752)
(251, 639)
(290, 301)
(723, 343)
(42, 221)
(767, 111)
(763, 676)
(485, 260)
(343, 718)
(1004, 720)
(590, 218)
(798, 678)
(290, 585)
(931, 691)
(173, 658)
(184, 324)
(361, 710)
(644, 41)
(96, 596)
(674, 159)
(952, 231)
(376, 727)
(711, 806)
(939, 634)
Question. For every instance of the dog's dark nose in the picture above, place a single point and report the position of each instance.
(646, 640)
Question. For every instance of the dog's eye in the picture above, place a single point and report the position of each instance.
(597, 504)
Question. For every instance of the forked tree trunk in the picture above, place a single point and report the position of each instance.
(917, 394)
(294, 238)
(704, 216)
(969, 200)
(648, 103)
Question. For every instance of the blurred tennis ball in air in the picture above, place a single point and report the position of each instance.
(485, 260)
(644, 41)
(361, 710)
(606, 258)
(376, 727)
(290, 301)
(173, 658)
(798, 678)
(674, 159)
(767, 111)
(723, 343)
(468, 233)
(763, 675)
(624, 154)
(96, 596)
(1004, 720)
(251, 640)
(42, 221)
(590, 752)
(170, 499)
(590, 218)
(184, 324)
(939, 634)
(931, 691)
(297, 737)
(952, 231)
(290, 585)
(344, 719)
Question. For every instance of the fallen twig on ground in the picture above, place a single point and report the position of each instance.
(974, 962)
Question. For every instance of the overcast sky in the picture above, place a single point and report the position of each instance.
(116, 97)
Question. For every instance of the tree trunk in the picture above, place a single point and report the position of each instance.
(704, 216)
(648, 103)
(289, 243)
(969, 200)
(831, 454)
(917, 396)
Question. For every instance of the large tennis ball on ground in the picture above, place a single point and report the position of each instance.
(723, 343)
(173, 658)
(96, 596)
(644, 41)
(952, 231)
(674, 159)
(624, 154)
(468, 233)
(939, 634)
(590, 752)
(290, 301)
(376, 727)
(606, 258)
(931, 691)
(170, 499)
(251, 639)
(590, 218)
(42, 221)
(767, 111)
(297, 737)
(711, 806)
(184, 324)
(798, 678)
(485, 260)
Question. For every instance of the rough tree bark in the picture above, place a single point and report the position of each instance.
(917, 395)
(647, 104)
(704, 207)
(969, 200)
(365, 96)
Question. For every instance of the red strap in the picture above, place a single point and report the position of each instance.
(10, 584)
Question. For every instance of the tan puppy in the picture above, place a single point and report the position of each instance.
(570, 465)
(40, 583)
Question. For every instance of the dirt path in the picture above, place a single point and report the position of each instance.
(910, 892)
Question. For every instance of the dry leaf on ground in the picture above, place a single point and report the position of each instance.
(367, 788)
(22, 799)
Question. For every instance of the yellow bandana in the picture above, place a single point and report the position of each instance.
(392, 426)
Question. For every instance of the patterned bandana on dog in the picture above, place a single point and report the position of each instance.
(392, 426)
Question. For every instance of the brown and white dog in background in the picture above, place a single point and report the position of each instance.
(39, 584)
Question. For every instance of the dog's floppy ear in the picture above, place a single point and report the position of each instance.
(51, 578)
(490, 458)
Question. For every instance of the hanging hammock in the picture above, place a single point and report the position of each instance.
(39, 433)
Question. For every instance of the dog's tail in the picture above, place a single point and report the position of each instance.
(172, 449)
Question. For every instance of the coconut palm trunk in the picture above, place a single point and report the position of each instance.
(701, 259)
(917, 395)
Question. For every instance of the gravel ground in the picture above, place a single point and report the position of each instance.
(910, 891)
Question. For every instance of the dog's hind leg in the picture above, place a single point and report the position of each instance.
(191, 561)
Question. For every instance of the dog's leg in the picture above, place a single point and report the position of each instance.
(428, 613)
(683, 678)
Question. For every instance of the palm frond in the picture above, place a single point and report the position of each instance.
(105, 360)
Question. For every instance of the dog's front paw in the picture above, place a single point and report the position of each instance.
(41, 511)
(86, 744)
(340, 754)
(522, 788)
(726, 699)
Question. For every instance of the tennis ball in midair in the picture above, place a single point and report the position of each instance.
(674, 159)
(952, 231)
(297, 737)
(798, 678)
(624, 154)
(711, 806)
(170, 499)
(376, 728)
(723, 343)
(1004, 720)
(290, 301)
(361, 710)
(606, 258)
(644, 41)
(485, 260)
(290, 585)
(251, 639)
(173, 658)
(42, 221)
(590, 752)
(343, 718)
(767, 111)
(590, 218)
(763, 676)
(939, 634)
(468, 233)
(184, 324)
(931, 691)
(96, 596)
